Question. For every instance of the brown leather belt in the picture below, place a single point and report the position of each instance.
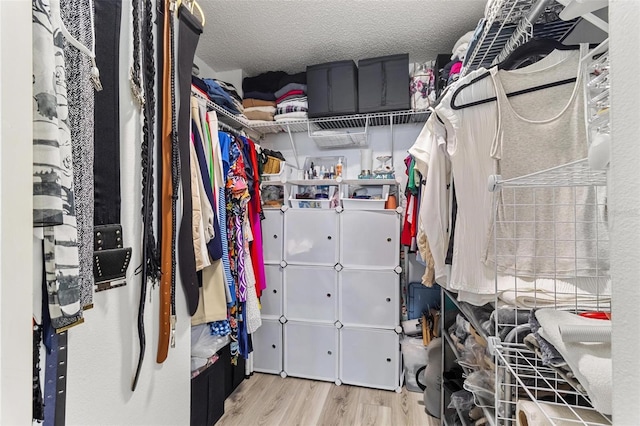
(167, 254)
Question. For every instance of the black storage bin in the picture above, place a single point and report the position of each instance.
(384, 84)
(234, 374)
(441, 79)
(208, 394)
(332, 89)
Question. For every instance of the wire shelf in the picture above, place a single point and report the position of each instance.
(295, 126)
(235, 121)
(550, 249)
(501, 22)
(349, 131)
(512, 11)
(342, 122)
(574, 174)
(522, 375)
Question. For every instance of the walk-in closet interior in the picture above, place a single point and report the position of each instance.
(327, 212)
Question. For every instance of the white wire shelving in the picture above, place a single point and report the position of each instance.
(509, 23)
(574, 174)
(522, 375)
(348, 131)
(486, 406)
(550, 250)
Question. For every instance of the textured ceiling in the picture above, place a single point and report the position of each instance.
(270, 35)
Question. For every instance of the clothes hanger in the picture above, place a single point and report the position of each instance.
(532, 51)
(520, 53)
(190, 5)
(95, 72)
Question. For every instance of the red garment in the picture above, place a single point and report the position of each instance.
(409, 230)
(406, 236)
(256, 248)
(289, 93)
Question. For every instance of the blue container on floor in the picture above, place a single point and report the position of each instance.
(421, 298)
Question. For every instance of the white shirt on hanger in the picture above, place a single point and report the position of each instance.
(470, 135)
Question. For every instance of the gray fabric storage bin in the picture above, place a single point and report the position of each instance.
(384, 84)
(332, 89)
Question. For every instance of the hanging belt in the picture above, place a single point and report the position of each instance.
(55, 373)
(169, 185)
(150, 267)
(111, 258)
(190, 30)
(37, 406)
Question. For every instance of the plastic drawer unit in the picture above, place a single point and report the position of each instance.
(332, 89)
(384, 84)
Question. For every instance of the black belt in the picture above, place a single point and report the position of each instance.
(150, 260)
(111, 258)
(190, 30)
(55, 374)
(37, 403)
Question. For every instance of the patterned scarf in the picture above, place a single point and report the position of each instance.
(53, 196)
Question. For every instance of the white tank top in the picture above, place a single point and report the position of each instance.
(551, 231)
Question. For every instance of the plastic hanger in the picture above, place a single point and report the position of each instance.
(539, 45)
(527, 53)
(95, 72)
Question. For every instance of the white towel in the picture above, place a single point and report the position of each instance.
(269, 109)
(590, 362)
(545, 299)
(298, 115)
(548, 293)
(532, 414)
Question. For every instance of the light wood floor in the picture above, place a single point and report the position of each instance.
(268, 400)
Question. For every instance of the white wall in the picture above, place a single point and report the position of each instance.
(379, 140)
(586, 32)
(15, 212)
(205, 70)
(234, 77)
(103, 351)
(624, 190)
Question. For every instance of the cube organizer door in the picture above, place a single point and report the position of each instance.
(267, 347)
(272, 236)
(370, 357)
(310, 294)
(369, 239)
(311, 237)
(369, 298)
(311, 351)
(271, 299)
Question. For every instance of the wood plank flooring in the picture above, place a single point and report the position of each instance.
(269, 400)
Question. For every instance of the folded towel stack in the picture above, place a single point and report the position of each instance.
(263, 113)
(274, 94)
